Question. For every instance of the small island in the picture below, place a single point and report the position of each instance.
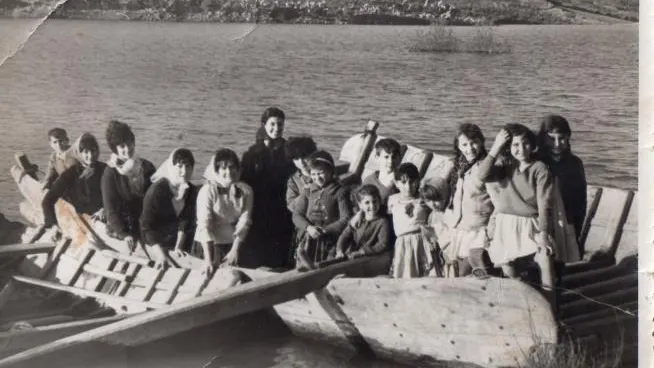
(405, 12)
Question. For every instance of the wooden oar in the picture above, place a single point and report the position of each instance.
(258, 294)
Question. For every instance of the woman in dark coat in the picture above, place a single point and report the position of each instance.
(266, 168)
(124, 184)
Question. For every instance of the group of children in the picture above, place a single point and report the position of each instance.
(503, 207)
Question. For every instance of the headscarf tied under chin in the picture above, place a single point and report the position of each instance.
(167, 171)
(235, 193)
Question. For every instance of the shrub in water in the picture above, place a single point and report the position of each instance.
(437, 39)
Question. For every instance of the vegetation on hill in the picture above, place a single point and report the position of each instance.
(451, 12)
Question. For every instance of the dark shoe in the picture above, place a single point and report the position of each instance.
(480, 273)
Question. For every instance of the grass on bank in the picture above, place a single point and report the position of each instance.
(439, 38)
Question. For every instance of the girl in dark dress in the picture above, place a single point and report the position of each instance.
(79, 184)
(266, 168)
(168, 218)
(567, 169)
(124, 184)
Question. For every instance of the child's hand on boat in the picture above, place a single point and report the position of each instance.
(231, 258)
(339, 254)
(356, 254)
(502, 137)
(130, 243)
(314, 231)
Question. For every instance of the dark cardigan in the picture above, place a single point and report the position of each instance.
(159, 221)
(85, 194)
(572, 181)
(123, 202)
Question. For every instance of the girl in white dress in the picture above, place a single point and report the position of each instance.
(412, 255)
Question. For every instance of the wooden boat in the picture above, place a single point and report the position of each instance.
(428, 321)
(484, 323)
(88, 266)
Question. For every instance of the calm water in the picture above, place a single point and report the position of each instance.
(203, 86)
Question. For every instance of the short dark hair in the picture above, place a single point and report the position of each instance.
(554, 123)
(272, 112)
(184, 156)
(88, 142)
(300, 147)
(226, 155)
(367, 190)
(389, 145)
(409, 170)
(321, 160)
(58, 133)
(118, 133)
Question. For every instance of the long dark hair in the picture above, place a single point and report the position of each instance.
(461, 164)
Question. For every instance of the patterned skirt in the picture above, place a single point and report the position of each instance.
(412, 257)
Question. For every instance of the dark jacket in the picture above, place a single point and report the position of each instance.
(267, 170)
(572, 181)
(159, 221)
(84, 192)
(123, 201)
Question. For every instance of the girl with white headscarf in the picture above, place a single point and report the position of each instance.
(224, 210)
(168, 218)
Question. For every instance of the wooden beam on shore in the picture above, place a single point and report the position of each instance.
(201, 311)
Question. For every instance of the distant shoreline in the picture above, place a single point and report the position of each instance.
(409, 12)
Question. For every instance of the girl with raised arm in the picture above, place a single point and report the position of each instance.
(522, 196)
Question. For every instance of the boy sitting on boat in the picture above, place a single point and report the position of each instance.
(61, 158)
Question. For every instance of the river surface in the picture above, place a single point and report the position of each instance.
(204, 86)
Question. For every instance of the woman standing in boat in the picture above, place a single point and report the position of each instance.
(168, 218)
(569, 184)
(224, 210)
(124, 184)
(79, 184)
(266, 169)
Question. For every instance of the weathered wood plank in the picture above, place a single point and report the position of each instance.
(486, 322)
(419, 157)
(628, 244)
(18, 340)
(89, 293)
(206, 309)
(593, 195)
(25, 249)
(605, 226)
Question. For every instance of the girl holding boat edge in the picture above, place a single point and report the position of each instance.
(168, 218)
(224, 211)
